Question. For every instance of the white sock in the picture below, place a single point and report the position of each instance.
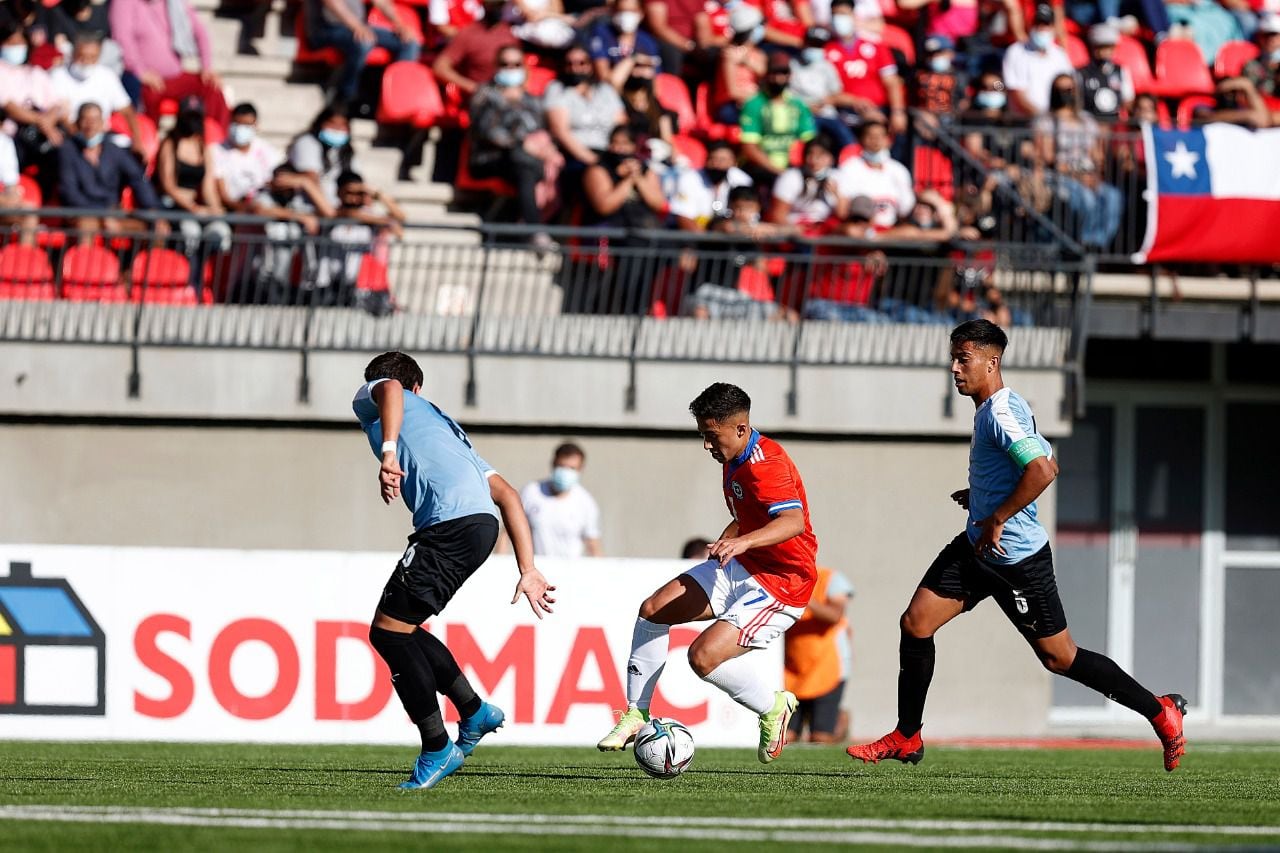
(739, 679)
(650, 643)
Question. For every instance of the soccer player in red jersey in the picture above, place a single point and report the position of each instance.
(756, 583)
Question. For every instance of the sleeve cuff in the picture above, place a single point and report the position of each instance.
(782, 506)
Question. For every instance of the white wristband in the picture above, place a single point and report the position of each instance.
(388, 447)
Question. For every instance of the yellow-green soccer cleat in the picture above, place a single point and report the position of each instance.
(631, 721)
(773, 726)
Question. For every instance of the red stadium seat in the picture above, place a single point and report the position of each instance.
(1233, 57)
(896, 38)
(30, 191)
(1130, 54)
(150, 140)
(707, 126)
(847, 153)
(465, 182)
(673, 95)
(372, 275)
(25, 273)
(307, 55)
(410, 95)
(214, 133)
(160, 276)
(455, 108)
(379, 57)
(92, 274)
(1181, 69)
(691, 149)
(539, 80)
(1187, 108)
(932, 170)
(1077, 51)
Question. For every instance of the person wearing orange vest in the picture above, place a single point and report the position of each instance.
(815, 662)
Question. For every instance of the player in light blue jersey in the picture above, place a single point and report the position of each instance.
(1003, 553)
(455, 497)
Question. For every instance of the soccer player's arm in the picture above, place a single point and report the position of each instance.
(1038, 470)
(388, 396)
(532, 585)
(773, 486)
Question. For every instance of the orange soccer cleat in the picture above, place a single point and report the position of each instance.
(908, 750)
(1168, 726)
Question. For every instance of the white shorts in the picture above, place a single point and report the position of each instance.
(738, 599)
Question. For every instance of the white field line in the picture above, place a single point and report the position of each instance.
(718, 828)
(429, 827)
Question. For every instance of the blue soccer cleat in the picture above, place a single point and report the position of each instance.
(488, 719)
(432, 767)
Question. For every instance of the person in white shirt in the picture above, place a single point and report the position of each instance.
(878, 176)
(1031, 66)
(11, 193)
(563, 516)
(702, 195)
(806, 197)
(85, 80)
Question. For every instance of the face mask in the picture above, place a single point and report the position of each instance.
(716, 176)
(812, 55)
(988, 100)
(1042, 39)
(876, 158)
(241, 134)
(14, 54)
(493, 12)
(1275, 55)
(509, 77)
(627, 22)
(819, 176)
(1059, 98)
(842, 25)
(757, 35)
(333, 138)
(572, 78)
(563, 479)
(774, 88)
(78, 71)
(940, 64)
(93, 141)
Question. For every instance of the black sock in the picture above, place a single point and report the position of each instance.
(1101, 673)
(915, 662)
(449, 678)
(415, 685)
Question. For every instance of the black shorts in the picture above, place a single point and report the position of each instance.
(822, 713)
(437, 562)
(1026, 590)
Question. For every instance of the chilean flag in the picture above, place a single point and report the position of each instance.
(1214, 195)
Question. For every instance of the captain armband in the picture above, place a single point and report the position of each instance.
(1025, 450)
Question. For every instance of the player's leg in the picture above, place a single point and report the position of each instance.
(682, 599)
(946, 590)
(1033, 605)
(476, 717)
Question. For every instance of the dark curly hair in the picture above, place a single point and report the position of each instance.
(719, 402)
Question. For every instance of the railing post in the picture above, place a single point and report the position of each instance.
(135, 372)
(486, 247)
(1073, 403)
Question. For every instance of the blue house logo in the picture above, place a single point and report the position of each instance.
(53, 655)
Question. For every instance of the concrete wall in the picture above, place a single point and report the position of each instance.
(880, 509)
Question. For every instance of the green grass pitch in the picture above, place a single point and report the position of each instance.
(58, 796)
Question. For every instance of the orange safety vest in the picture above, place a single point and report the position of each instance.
(812, 656)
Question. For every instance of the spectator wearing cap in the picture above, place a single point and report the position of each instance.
(1030, 66)
(873, 87)
(1106, 87)
(742, 64)
(808, 197)
(702, 196)
(166, 46)
(470, 59)
(1264, 71)
(616, 42)
(86, 80)
(936, 84)
(772, 122)
(341, 24)
(878, 176)
(815, 81)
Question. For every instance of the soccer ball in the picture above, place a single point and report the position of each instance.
(664, 748)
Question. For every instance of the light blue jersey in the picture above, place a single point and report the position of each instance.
(1004, 443)
(444, 478)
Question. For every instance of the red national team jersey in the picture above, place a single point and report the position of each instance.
(863, 65)
(759, 484)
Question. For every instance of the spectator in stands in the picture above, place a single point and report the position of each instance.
(581, 110)
(86, 80)
(813, 668)
(772, 122)
(509, 139)
(186, 183)
(645, 116)
(360, 231)
(742, 64)
(1106, 86)
(1205, 22)
(324, 151)
(92, 175)
(470, 59)
(697, 548)
(750, 296)
(12, 196)
(932, 220)
(448, 17)
(876, 175)
(541, 23)
(702, 197)
(1237, 101)
(937, 86)
(1030, 66)
(809, 196)
(872, 85)
(785, 22)
(621, 190)
(356, 200)
(1069, 145)
(843, 291)
(672, 22)
(160, 40)
(815, 81)
(563, 516)
(1264, 71)
(247, 169)
(952, 20)
(34, 114)
(616, 43)
(712, 32)
(341, 24)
